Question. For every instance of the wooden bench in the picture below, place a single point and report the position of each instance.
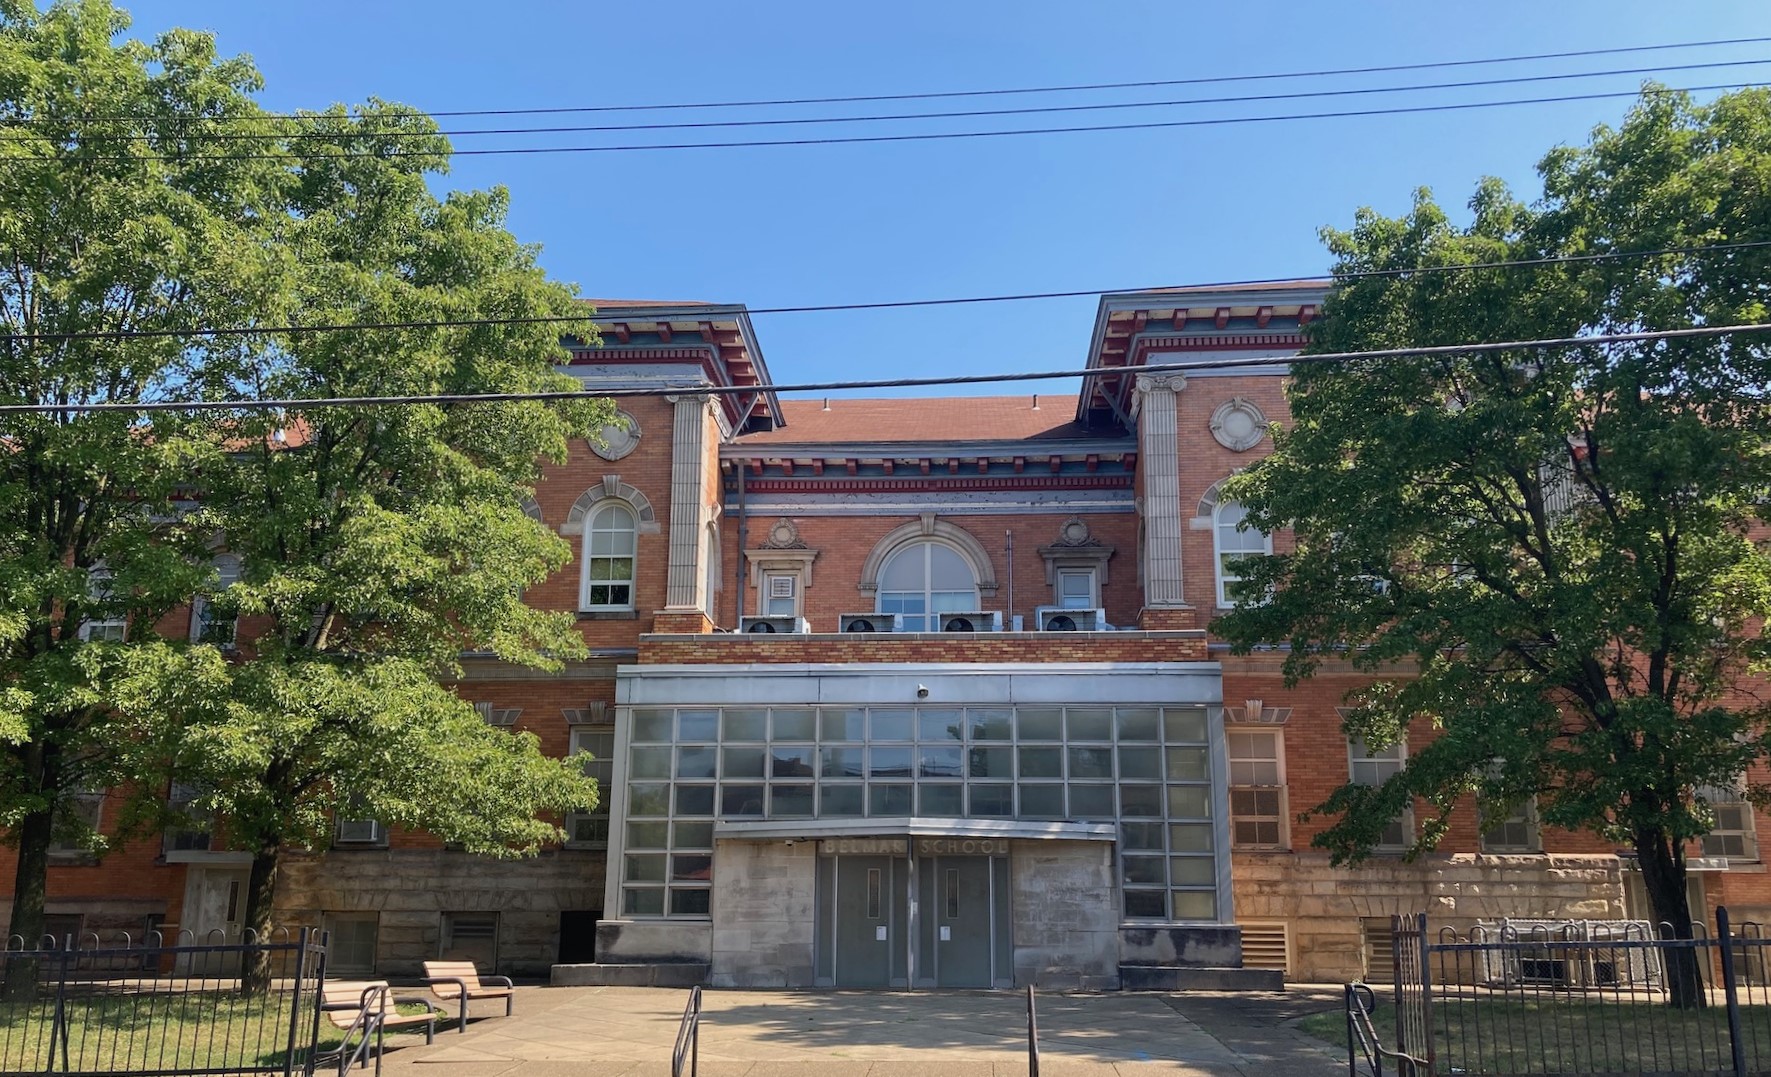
(460, 980)
(365, 1010)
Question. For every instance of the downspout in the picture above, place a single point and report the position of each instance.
(743, 544)
(1008, 546)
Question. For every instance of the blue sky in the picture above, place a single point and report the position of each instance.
(837, 224)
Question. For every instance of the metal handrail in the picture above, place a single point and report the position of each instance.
(1361, 1033)
(1032, 1036)
(688, 1036)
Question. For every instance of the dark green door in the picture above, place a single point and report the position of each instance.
(869, 911)
(961, 917)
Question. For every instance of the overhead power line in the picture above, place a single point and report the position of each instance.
(1204, 80)
(559, 319)
(363, 128)
(941, 136)
(303, 403)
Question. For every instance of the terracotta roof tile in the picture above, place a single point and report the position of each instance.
(965, 418)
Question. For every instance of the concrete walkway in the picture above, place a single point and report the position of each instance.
(629, 1032)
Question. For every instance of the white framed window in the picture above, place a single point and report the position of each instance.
(1234, 542)
(1257, 788)
(78, 814)
(1077, 588)
(924, 580)
(1733, 834)
(106, 623)
(1369, 766)
(1517, 832)
(195, 833)
(610, 544)
(209, 625)
(596, 743)
(780, 594)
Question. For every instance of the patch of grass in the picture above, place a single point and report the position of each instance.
(123, 1031)
(1502, 1034)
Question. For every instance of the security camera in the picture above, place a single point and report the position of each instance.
(922, 691)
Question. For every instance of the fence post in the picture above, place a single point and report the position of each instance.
(294, 1006)
(1398, 979)
(1426, 996)
(1730, 992)
(58, 1031)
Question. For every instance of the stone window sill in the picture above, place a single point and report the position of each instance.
(608, 615)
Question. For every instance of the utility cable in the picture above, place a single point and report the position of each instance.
(303, 403)
(523, 151)
(557, 319)
(358, 131)
(1204, 80)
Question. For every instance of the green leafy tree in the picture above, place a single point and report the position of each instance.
(98, 235)
(1563, 548)
(380, 544)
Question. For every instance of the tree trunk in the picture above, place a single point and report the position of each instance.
(1662, 860)
(261, 894)
(29, 889)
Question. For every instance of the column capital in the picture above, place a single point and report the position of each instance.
(1172, 383)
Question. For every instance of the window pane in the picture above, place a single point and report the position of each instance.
(791, 761)
(694, 800)
(1146, 903)
(992, 801)
(1042, 801)
(990, 724)
(693, 835)
(939, 762)
(651, 727)
(794, 724)
(840, 800)
(696, 762)
(1195, 905)
(651, 763)
(948, 571)
(1042, 762)
(1192, 871)
(746, 724)
(740, 800)
(1189, 802)
(939, 799)
(1145, 869)
(843, 725)
(648, 835)
(1090, 723)
(1187, 764)
(906, 571)
(698, 726)
(790, 801)
(1140, 800)
(743, 762)
(841, 763)
(1184, 725)
(1190, 837)
(1139, 761)
(1137, 723)
(891, 724)
(1040, 723)
(647, 799)
(1141, 836)
(939, 725)
(888, 762)
(689, 902)
(888, 800)
(645, 868)
(696, 867)
(1091, 763)
(1092, 802)
(990, 763)
(642, 902)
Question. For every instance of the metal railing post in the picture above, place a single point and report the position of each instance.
(1730, 992)
(294, 1005)
(1032, 1036)
(1426, 994)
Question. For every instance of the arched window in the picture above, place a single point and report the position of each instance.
(609, 547)
(1235, 541)
(922, 581)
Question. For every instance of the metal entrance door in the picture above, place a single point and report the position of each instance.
(869, 913)
(959, 922)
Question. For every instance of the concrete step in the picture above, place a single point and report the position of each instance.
(657, 974)
(1197, 978)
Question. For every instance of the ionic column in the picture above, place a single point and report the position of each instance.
(1158, 458)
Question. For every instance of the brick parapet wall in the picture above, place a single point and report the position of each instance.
(987, 647)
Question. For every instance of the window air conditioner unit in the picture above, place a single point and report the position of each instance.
(777, 623)
(870, 622)
(1059, 619)
(969, 620)
(360, 832)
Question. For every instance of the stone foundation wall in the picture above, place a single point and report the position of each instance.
(411, 889)
(1326, 907)
(1066, 914)
(763, 914)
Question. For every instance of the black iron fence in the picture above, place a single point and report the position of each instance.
(1543, 998)
(86, 1005)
